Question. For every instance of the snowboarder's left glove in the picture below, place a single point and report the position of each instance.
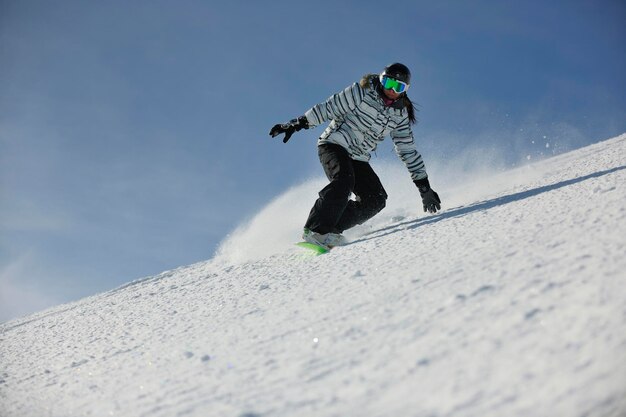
(289, 128)
(430, 199)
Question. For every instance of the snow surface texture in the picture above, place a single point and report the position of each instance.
(510, 302)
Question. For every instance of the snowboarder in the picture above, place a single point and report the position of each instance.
(360, 117)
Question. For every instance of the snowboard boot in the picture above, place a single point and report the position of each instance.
(327, 241)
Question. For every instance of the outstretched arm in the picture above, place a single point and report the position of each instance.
(335, 107)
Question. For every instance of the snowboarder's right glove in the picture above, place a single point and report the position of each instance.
(289, 128)
(430, 199)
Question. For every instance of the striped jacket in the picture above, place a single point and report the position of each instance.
(359, 121)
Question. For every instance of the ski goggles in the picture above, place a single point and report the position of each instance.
(393, 84)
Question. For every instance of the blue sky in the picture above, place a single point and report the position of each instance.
(133, 135)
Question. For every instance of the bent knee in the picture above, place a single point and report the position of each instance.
(375, 202)
(381, 202)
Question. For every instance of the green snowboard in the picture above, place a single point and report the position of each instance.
(316, 249)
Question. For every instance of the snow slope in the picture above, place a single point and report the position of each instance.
(510, 302)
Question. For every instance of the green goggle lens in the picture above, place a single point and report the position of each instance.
(393, 84)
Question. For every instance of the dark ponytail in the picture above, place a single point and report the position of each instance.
(410, 108)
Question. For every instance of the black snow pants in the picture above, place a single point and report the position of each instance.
(334, 211)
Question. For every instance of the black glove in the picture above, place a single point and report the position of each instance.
(289, 128)
(430, 198)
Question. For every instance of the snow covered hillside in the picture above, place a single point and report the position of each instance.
(510, 302)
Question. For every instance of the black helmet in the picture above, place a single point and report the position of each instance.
(398, 72)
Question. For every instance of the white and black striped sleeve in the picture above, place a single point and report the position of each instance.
(403, 142)
(336, 106)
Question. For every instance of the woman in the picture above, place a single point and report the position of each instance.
(360, 117)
